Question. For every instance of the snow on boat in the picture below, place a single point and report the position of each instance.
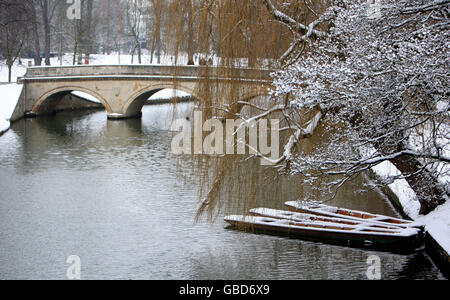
(303, 217)
(323, 230)
(330, 211)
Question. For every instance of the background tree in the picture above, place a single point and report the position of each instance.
(155, 30)
(135, 10)
(90, 28)
(109, 25)
(34, 32)
(14, 22)
(48, 8)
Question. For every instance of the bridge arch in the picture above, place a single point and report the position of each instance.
(136, 101)
(48, 102)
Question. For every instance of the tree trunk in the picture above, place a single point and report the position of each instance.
(9, 58)
(424, 184)
(251, 41)
(158, 44)
(61, 16)
(46, 31)
(156, 47)
(76, 45)
(10, 72)
(75, 49)
(190, 33)
(139, 52)
(35, 33)
(88, 35)
(152, 51)
(108, 28)
(81, 34)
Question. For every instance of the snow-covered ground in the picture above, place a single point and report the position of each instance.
(437, 223)
(86, 96)
(9, 95)
(20, 68)
(4, 125)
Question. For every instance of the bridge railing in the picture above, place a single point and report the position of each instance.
(142, 71)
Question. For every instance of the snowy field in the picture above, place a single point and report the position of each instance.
(9, 95)
(19, 68)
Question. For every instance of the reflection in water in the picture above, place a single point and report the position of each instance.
(277, 258)
(111, 193)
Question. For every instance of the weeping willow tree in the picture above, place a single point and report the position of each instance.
(234, 34)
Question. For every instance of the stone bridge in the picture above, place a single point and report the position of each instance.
(124, 89)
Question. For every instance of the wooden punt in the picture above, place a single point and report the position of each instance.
(303, 217)
(323, 230)
(330, 211)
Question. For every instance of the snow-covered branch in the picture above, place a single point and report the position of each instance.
(278, 15)
(385, 84)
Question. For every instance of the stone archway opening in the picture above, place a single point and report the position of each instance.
(166, 106)
(169, 96)
(155, 96)
(66, 100)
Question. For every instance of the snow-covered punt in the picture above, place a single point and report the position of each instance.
(330, 211)
(324, 230)
(302, 217)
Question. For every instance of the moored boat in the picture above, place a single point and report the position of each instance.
(323, 230)
(330, 211)
(304, 217)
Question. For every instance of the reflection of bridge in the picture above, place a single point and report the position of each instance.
(123, 89)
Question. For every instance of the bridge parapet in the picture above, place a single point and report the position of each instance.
(144, 72)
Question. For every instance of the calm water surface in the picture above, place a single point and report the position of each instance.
(109, 192)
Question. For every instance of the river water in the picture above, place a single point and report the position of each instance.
(110, 193)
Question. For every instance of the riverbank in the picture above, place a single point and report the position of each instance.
(436, 223)
(437, 240)
(4, 126)
(9, 96)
